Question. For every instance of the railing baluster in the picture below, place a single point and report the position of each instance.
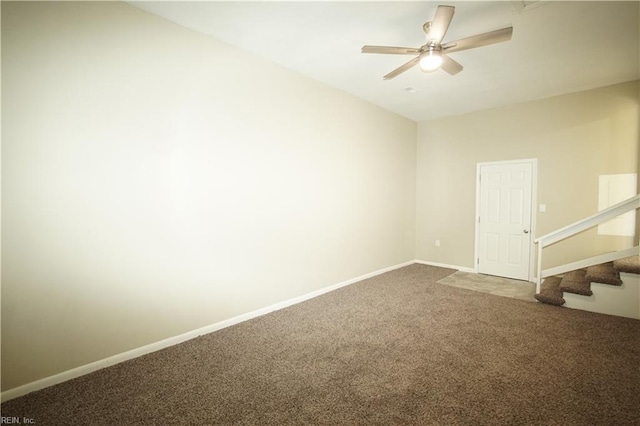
(539, 273)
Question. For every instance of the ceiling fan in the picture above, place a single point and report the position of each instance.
(433, 54)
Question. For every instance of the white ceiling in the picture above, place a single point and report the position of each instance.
(557, 47)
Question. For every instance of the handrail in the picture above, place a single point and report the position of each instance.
(576, 227)
(589, 222)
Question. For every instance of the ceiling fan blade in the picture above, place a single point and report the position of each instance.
(440, 23)
(402, 68)
(479, 40)
(450, 66)
(391, 50)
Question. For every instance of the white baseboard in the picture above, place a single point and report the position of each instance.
(171, 341)
(444, 265)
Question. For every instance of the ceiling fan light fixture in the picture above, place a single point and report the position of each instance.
(430, 60)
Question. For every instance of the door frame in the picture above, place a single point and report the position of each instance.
(534, 204)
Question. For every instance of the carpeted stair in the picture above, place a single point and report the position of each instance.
(579, 281)
(630, 265)
(550, 292)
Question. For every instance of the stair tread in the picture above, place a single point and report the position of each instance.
(575, 282)
(629, 264)
(604, 274)
(550, 292)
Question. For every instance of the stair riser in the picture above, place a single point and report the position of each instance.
(623, 300)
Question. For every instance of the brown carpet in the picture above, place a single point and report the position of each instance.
(550, 292)
(629, 264)
(395, 349)
(604, 274)
(575, 282)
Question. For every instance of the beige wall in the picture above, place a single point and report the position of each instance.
(575, 138)
(156, 181)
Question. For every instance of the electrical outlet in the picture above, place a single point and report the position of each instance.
(437, 243)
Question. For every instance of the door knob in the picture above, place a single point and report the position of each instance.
(526, 231)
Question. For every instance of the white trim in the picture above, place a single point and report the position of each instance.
(595, 260)
(171, 341)
(444, 265)
(534, 210)
(534, 220)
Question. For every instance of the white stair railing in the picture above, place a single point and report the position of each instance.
(579, 226)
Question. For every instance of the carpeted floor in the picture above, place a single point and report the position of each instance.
(395, 349)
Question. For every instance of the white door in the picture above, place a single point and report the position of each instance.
(504, 228)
